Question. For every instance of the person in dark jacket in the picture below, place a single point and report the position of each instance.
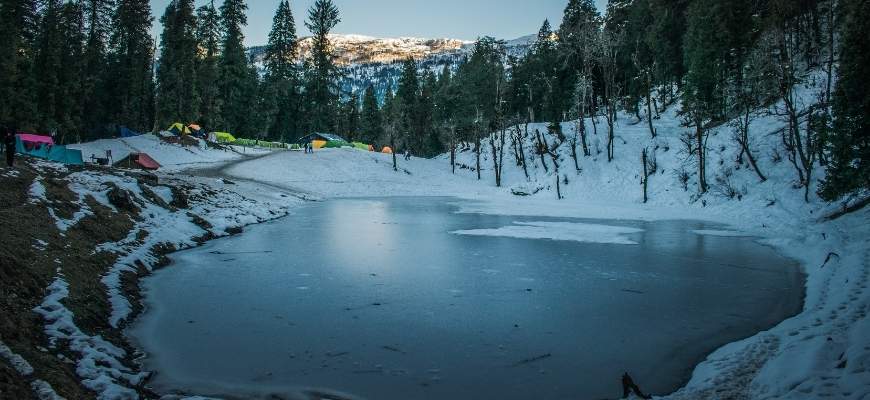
(9, 144)
(629, 386)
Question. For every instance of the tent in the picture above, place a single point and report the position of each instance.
(195, 129)
(43, 147)
(337, 144)
(318, 144)
(125, 133)
(179, 129)
(32, 140)
(320, 137)
(223, 137)
(362, 146)
(387, 150)
(138, 160)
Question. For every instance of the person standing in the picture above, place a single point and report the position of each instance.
(9, 144)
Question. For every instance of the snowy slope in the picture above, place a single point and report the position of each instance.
(356, 173)
(822, 352)
(171, 156)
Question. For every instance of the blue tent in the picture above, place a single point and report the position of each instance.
(49, 152)
(125, 133)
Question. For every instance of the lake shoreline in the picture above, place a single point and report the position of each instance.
(686, 375)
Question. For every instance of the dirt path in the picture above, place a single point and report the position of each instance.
(220, 171)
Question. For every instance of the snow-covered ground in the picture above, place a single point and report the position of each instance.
(822, 352)
(331, 173)
(171, 157)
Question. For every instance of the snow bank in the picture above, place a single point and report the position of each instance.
(171, 157)
(99, 366)
(569, 231)
(355, 173)
(41, 389)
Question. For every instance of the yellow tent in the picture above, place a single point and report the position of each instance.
(387, 150)
(179, 129)
(318, 144)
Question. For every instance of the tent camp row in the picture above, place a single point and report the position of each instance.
(330, 141)
(44, 147)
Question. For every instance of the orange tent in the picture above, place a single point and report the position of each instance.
(387, 150)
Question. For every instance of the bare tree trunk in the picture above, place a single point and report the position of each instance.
(541, 150)
(645, 175)
(558, 187)
(702, 155)
(393, 147)
(520, 144)
(452, 151)
(477, 155)
(649, 107)
(743, 140)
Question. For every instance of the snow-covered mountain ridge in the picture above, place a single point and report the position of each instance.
(378, 61)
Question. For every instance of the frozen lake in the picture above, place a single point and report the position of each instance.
(403, 298)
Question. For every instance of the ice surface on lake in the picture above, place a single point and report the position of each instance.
(397, 307)
(570, 231)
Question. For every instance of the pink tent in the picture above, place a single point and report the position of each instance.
(30, 138)
(146, 161)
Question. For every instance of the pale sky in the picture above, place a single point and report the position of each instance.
(456, 19)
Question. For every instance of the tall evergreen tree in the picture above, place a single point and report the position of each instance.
(321, 87)
(431, 142)
(370, 118)
(208, 36)
(71, 101)
(18, 33)
(177, 99)
(406, 104)
(48, 63)
(98, 23)
(281, 95)
(235, 78)
(131, 63)
(849, 170)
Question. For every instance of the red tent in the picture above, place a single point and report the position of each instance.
(145, 161)
(138, 160)
(36, 139)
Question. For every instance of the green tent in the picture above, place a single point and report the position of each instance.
(335, 144)
(362, 146)
(224, 137)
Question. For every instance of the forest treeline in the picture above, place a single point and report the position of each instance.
(83, 68)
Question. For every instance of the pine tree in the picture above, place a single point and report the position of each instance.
(177, 99)
(18, 33)
(131, 63)
(234, 79)
(98, 22)
(431, 142)
(281, 102)
(406, 103)
(72, 75)
(370, 118)
(47, 65)
(849, 169)
(207, 69)
(321, 87)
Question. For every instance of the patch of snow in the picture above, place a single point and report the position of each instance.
(16, 361)
(164, 192)
(44, 391)
(721, 233)
(99, 364)
(566, 231)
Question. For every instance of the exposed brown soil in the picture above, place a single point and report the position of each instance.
(26, 269)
